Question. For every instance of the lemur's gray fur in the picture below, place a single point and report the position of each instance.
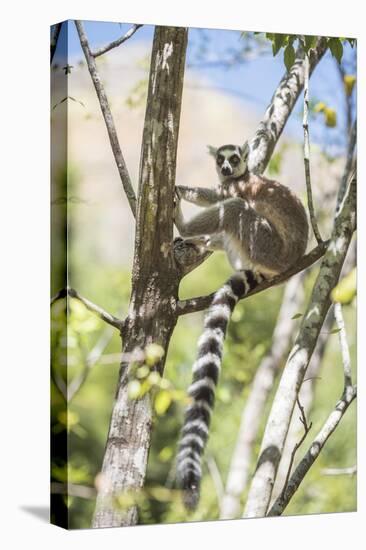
(263, 228)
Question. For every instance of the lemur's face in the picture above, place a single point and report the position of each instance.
(231, 160)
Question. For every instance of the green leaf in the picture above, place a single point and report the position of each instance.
(289, 56)
(310, 42)
(335, 46)
(297, 316)
(162, 401)
(335, 331)
(279, 40)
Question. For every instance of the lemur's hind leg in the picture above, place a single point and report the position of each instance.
(234, 217)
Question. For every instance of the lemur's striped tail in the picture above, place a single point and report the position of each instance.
(206, 371)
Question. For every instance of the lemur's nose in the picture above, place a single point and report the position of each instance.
(226, 170)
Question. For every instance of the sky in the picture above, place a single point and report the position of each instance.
(252, 82)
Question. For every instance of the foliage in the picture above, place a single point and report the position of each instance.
(288, 42)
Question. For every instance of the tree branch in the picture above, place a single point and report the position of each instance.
(307, 428)
(346, 358)
(351, 471)
(192, 305)
(297, 363)
(328, 428)
(108, 118)
(101, 313)
(90, 360)
(115, 43)
(305, 125)
(349, 163)
(280, 108)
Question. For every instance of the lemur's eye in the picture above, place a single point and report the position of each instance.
(234, 159)
(220, 159)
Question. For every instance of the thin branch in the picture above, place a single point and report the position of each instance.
(347, 97)
(101, 313)
(307, 428)
(108, 118)
(346, 358)
(55, 33)
(303, 467)
(117, 42)
(73, 490)
(349, 163)
(351, 471)
(216, 478)
(192, 305)
(305, 125)
(90, 360)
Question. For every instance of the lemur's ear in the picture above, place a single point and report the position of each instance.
(212, 150)
(245, 150)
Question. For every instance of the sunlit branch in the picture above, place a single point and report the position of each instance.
(101, 313)
(117, 42)
(305, 125)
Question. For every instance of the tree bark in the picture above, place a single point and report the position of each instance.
(155, 277)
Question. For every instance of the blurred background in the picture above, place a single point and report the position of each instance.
(230, 78)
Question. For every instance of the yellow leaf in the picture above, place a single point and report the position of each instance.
(330, 117)
(349, 82)
(153, 354)
(166, 454)
(319, 107)
(345, 290)
(134, 388)
(162, 401)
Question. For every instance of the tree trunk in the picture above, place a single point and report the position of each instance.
(152, 312)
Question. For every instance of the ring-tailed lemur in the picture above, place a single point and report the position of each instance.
(263, 228)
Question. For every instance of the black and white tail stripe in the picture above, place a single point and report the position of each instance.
(206, 372)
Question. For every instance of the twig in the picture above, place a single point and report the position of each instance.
(303, 467)
(307, 428)
(104, 315)
(117, 42)
(108, 118)
(349, 163)
(346, 358)
(90, 360)
(305, 125)
(216, 478)
(73, 490)
(202, 302)
(351, 471)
